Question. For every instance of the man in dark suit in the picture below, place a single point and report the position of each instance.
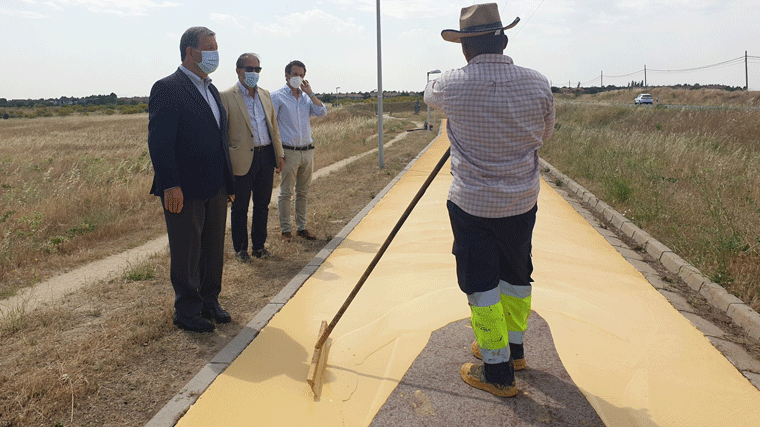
(187, 138)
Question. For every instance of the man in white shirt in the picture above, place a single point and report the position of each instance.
(294, 104)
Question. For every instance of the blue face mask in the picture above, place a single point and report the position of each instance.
(209, 61)
(251, 79)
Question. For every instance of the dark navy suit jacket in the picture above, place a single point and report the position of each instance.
(187, 146)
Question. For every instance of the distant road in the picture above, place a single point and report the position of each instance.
(677, 106)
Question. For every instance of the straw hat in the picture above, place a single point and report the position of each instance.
(477, 20)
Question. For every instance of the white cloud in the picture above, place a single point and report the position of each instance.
(52, 5)
(407, 9)
(116, 7)
(297, 23)
(417, 34)
(22, 13)
(226, 20)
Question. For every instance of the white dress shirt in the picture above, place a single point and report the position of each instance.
(203, 88)
(293, 116)
(256, 114)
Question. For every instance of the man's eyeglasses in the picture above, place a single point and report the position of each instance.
(252, 69)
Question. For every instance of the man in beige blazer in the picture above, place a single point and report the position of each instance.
(255, 153)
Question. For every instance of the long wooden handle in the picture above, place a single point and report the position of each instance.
(371, 266)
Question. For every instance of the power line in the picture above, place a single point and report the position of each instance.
(703, 67)
(527, 20)
(626, 75)
(723, 64)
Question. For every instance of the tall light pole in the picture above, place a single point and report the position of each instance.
(427, 123)
(379, 93)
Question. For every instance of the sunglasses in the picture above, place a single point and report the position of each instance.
(252, 69)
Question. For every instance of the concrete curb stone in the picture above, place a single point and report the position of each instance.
(628, 229)
(672, 262)
(655, 248)
(693, 278)
(746, 317)
(719, 297)
(641, 237)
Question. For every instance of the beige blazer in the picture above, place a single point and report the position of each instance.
(240, 130)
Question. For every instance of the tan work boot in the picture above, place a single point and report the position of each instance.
(475, 376)
(520, 363)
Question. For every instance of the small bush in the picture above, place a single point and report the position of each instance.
(65, 111)
(140, 272)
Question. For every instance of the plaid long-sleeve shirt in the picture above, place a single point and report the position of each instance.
(499, 115)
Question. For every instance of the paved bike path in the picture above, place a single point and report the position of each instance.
(624, 355)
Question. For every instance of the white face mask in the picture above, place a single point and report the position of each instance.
(295, 82)
(209, 61)
(251, 79)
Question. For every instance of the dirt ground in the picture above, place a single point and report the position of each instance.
(109, 355)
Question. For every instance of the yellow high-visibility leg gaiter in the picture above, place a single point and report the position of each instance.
(489, 325)
(516, 301)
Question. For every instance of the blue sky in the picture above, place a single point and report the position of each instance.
(81, 47)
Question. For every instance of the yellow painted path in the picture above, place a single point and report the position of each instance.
(637, 360)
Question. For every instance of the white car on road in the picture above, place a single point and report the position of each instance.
(644, 98)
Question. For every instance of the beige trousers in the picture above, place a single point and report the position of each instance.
(295, 178)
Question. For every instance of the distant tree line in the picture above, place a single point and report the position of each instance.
(110, 99)
(596, 89)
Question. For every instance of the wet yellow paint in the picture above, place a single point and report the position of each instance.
(637, 360)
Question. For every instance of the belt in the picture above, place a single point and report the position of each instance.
(261, 148)
(290, 147)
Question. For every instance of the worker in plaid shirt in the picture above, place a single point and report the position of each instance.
(499, 115)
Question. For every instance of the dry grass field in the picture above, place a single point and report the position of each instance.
(689, 177)
(75, 189)
(671, 96)
(108, 354)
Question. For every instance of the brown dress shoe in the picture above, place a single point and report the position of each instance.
(306, 234)
(286, 236)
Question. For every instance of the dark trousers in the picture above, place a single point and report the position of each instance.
(491, 249)
(196, 245)
(256, 185)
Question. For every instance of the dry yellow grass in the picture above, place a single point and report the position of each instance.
(691, 178)
(671, 96)
(75, 188)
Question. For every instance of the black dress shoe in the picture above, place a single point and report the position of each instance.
(243, 256)
(195, 323)
(217, 314)
(261, 253)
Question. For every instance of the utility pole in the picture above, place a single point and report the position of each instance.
(746, 73)
(645, 75)
(601, 85)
